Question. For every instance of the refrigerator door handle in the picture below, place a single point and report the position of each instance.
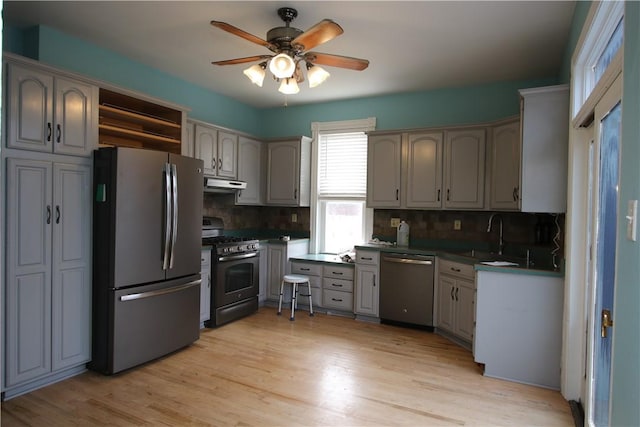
(131, 297)
(167, 217)
(174, 228)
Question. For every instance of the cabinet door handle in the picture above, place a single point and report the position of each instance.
(58, 133)
(514, 194)
(374, 280)
(397, 194)
(304, 269)
(452, 289)
(213, 163)
(457, 289)
(336, 299)
(447, 194)
(457, 270)
(366, 258)
(295, 194)
(49, 131)
(220, 164)
(48, 214)
(336, 285)
(57, 214)
(337, 273)
(517, 193)
(438, 194)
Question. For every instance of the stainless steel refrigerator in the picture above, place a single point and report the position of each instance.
(147, 219)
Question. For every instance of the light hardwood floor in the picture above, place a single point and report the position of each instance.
(325, 370)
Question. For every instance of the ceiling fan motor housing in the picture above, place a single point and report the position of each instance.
(282, 37)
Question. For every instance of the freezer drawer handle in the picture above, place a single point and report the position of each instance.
(150, 294)
(408, 261)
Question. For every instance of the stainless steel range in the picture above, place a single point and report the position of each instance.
(235, 265)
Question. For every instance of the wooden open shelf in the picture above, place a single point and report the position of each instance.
(132, 122)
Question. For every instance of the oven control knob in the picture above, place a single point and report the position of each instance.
(225, 250)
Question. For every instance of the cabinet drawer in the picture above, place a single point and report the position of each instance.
(337, 284)
(306, 269)
(368, 257)
(338, 272)
(337, 299)
(457, 269)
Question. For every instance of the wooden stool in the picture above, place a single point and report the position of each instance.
(294, 280)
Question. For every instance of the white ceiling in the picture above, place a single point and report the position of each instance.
(412, 46)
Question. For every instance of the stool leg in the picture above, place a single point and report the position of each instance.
(280, 302)
(310, 299)
(294, 292)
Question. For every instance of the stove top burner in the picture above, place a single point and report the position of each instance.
(226, 245)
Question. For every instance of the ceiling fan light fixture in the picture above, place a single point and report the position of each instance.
(316, 75)
(256, 73)
(282, 66)
(289, 86)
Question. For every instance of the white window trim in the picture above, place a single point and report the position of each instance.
(600, 24)
(344, 126)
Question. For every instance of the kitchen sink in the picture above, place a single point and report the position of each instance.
(492, 257)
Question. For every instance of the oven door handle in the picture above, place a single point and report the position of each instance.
(239, 256)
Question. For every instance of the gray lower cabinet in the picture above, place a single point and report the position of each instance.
(278, 264)
(456, 299)
(48, 269)
(367, 283)
(205, 285)
(337, 287)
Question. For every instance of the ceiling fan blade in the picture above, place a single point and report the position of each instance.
(322, 32)
(336, 61)
(241, 33)
(242, 60)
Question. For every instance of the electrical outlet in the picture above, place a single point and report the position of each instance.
(395, 222)
(294, 217)
(457, 224)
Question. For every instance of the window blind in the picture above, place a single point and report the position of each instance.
(342, 169)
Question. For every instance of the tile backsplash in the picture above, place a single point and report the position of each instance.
(255, 217)
(522, 229)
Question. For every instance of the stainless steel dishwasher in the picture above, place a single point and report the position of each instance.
(406, 288)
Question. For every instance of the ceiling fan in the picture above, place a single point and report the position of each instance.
(290, 47)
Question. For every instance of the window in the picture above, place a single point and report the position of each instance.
(597, 60)
(339, 216)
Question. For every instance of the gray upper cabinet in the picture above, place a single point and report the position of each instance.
(504, 159)
(218, 150)
(250, 169)
(50, 113)
(289, 172)
(384, 166)
(545, 142)
(48, 280)
(424, 170)
(464, 169)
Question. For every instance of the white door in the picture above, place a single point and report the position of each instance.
(604, 170)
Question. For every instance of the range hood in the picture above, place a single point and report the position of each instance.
(222, 185)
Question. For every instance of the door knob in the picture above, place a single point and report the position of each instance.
(605, 322)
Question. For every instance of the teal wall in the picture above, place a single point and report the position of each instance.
(60, 50)
(438, 107)
(625, 396)
(579, 15)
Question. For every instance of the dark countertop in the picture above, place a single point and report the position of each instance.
(322, 258)
(464, 257)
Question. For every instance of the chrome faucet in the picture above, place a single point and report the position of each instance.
(501, 241)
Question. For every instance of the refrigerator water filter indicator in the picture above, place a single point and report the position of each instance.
(403, 235)
(101, 193)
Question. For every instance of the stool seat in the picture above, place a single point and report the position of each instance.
(294, 280)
